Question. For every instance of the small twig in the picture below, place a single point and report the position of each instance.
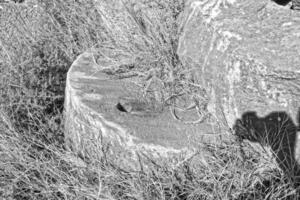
(173, 96)
(202, 117)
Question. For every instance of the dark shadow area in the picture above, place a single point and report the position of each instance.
(282, 2)
(276, 130)
(120, 107)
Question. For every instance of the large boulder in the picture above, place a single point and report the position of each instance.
(101, 110)
(246, 54)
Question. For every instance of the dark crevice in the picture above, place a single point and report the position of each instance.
(282, 2)
(120, 107)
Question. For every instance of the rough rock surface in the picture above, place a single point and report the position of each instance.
(246, 54)
(94, 117)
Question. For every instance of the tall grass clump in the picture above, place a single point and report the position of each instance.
(38, 42)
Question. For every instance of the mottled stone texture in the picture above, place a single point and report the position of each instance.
(245, 53)
(102, 111)
(296, 5)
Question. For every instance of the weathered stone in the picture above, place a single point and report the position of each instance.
(295, 5)
(246, 54)
(96, 115)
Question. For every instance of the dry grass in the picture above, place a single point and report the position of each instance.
(38, 42)
(33, 170)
